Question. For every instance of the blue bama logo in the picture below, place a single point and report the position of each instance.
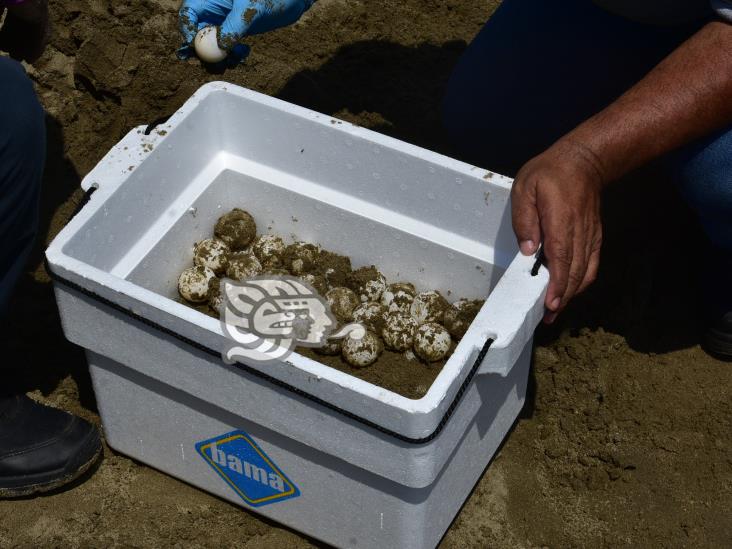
(247, 469)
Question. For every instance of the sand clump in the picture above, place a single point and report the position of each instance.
(236, 228)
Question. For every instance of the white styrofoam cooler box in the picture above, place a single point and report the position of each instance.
(314, 448)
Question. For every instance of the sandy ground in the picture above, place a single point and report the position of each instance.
(625, 437)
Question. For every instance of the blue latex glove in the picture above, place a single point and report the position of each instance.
(236, 18)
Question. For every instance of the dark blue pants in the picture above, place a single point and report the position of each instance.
(537, 69)
(22, 154)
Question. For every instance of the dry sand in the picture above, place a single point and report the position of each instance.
(625, 438)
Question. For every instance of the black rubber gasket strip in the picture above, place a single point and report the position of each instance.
(273, 380)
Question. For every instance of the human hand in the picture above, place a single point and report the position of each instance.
(556, 199)
(238, 18)
(25, 31)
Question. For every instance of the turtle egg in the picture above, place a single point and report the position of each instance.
(368, 283)
(398, 297)
(243, 266)
(398, 331)
(371, 315)
(267, 247)
(460, 315)
(342, 302)
(300, 257)
(207, 46)
(431, 342)
(361, 352)
(317, 282)
(212, 253)
(428, 307)
(193, 283)
(237, 228)
(215, 299)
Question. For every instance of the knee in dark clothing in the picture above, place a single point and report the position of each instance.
(22, 122)
(22, 155)
(704, 173)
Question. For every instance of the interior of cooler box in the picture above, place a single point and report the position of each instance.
(303, 178)
(424, 260)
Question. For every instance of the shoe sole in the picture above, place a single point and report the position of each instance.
(42, 487)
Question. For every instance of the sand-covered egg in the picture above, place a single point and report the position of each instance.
(460, 315)
(342, 303)
(215, 298)
(398, 331)
(334, 267)
(428, 307)
(236, 228)
(317, 282)
(212, 253)
(300, 257)
(193, 283)
(398, 297)
(361, 352)
(371, 315)
(243, 266)
(274, 271)
(268, 247)
(207, 46)
(432, 342)
(368, 283)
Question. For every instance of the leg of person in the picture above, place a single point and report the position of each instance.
(703, 171)
(22, 150)
(41, 448)
(537, 69)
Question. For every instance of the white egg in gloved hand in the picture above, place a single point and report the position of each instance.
(432, 342)
(193, 283)
(362, 352)
(207, 46)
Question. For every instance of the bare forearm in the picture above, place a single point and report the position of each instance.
(687, 96)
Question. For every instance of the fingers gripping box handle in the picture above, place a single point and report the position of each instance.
(114, 167)
(514, 309)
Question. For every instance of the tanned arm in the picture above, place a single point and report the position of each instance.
(556, 195)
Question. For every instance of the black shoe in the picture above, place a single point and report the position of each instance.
(718, 305)
(42, 448)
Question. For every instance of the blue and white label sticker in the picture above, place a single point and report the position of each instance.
(247, 469)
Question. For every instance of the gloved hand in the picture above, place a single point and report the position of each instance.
(237, 18)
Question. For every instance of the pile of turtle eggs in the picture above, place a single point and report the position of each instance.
(421, 325)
